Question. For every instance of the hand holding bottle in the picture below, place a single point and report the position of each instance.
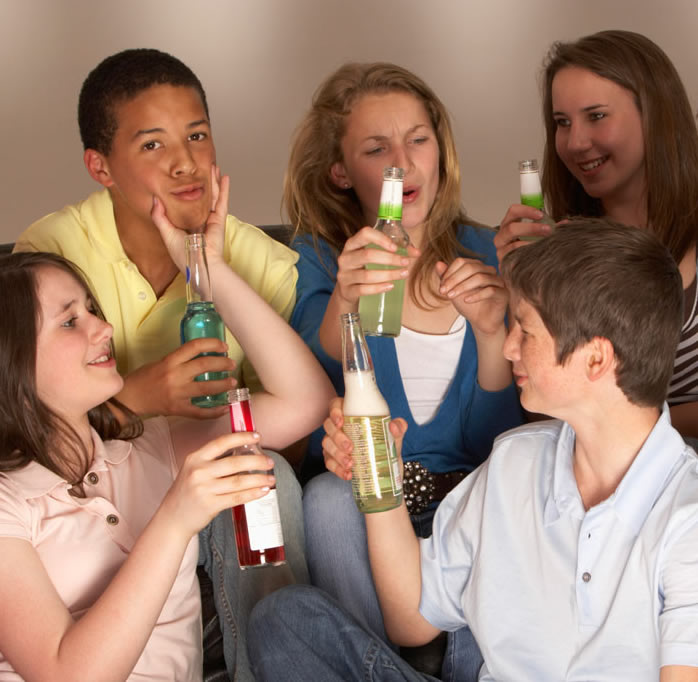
(166, 387)
(337, 446)
(354, 280)
(476, 291)
(512, 229)
(208, 483)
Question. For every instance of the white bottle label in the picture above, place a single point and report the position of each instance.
(264, 522)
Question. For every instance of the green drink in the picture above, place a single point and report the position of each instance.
(532, 192)
(201, 319)
(381, 314)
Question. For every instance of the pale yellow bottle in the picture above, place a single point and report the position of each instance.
(376, 478)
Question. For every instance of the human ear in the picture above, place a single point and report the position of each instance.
(97, 167)
(600, 358)
(338, 175)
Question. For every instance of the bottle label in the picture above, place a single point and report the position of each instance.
(375, 470)
(264, 522)
(390, 207)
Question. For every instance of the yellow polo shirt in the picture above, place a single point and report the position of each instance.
(146, 328)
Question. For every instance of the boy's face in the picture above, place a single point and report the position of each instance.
(162, 146)
(546, 386)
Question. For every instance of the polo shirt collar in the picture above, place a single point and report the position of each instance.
(103, 235)
(639, 488)
(648, 474)
(35, 480)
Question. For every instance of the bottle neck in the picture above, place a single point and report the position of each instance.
(390, 207)
(355, 354)
(197, 277)
(241, 416)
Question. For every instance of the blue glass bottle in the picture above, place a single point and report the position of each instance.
(201, 319)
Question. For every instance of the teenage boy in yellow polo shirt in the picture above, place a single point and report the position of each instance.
(145, 128)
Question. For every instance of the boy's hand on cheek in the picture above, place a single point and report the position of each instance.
(173, 237)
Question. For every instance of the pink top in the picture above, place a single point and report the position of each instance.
(83, 542)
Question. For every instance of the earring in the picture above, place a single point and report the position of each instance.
(346, 185)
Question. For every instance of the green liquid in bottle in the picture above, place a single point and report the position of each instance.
(536, 201)
(201, 320)
(381, 314)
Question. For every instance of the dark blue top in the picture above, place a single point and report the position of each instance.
(460, 434)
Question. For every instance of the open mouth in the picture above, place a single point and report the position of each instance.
(409, 195)
(101, 360)
(588, 166)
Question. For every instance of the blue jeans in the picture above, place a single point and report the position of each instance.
(301, 634)
(337, 554)
(235, 592)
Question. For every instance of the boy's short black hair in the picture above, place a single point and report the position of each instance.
(598, 278)
(121, 77)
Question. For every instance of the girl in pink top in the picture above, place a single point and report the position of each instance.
(98, 536)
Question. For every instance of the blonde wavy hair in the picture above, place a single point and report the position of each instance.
(317, 207)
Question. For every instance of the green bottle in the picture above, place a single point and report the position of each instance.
(532, 192)
(376, 479)
(381, 314)
(201, 319)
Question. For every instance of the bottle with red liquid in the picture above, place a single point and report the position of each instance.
(258, 533)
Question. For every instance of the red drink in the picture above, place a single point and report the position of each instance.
(258, 533)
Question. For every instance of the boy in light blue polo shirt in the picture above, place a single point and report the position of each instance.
(572, 552)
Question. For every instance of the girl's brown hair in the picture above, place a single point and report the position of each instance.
(317, 207)
(671, 141)
(30, 431)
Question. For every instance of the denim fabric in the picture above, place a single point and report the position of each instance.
(301, 634)
(236, 592)
(337, 554)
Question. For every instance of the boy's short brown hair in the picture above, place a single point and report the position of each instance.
(598, 278)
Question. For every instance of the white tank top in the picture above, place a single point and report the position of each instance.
(428, 363)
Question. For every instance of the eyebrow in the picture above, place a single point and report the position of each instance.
(385, 137)
(150, 131)
(591, 107)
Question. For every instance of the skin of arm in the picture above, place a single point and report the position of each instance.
(105, 643)
(392, 541)
(297, 389)
(354, 281)
(678, 673)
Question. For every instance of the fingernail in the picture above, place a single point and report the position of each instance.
(266, 488)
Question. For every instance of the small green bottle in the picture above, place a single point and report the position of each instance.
(201, 319)
(532, 192)
(381, 314)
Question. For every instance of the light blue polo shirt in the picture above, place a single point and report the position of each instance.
(554, 592)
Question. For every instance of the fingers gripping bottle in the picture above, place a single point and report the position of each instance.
(531, 191)
(258, 534)
(376, 477)
(201, 319)
(381, 314)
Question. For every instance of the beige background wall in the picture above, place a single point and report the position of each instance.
(261, 60)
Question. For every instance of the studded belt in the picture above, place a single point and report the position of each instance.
(421, 487)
